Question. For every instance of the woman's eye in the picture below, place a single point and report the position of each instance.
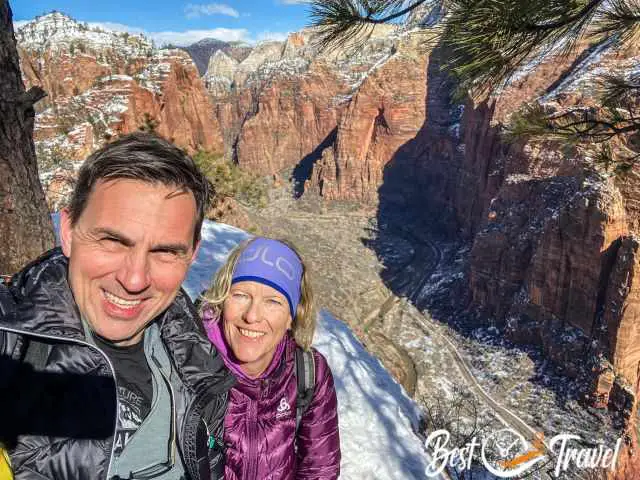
(274, 301)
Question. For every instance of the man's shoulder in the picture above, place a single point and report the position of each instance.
(51, 265)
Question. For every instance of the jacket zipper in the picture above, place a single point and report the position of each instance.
(93, 347)
(173, 417)
(188, 428)
(252, 447)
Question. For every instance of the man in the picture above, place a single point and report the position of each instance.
(105, 368)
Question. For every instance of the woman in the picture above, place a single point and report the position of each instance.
(258, 312)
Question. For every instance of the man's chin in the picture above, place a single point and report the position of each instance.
(121, 337)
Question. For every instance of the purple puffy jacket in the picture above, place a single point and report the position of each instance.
(260, 424)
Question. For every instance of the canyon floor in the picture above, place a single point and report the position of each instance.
(401, 287)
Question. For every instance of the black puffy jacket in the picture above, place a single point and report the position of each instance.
(58, 419)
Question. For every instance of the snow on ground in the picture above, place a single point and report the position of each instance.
(377, 418)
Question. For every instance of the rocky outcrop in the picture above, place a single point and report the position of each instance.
(386, 111)
(220, 72)
(204, 49)
(621, 315)
(291, 119)
(102, 84)
(285, 102)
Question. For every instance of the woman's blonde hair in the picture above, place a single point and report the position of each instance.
(304, 323)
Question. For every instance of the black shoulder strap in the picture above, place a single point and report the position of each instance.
(306, 379)
(36, 353)
(7, 303)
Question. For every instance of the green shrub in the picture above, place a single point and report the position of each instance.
(229, 180)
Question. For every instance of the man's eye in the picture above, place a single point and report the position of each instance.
(166, 252)
(166, 255)
(111, 240)
(275, 301)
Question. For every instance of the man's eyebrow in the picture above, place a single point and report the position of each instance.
(178, 248)
(112, 233)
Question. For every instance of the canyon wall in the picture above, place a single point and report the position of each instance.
(102, 83)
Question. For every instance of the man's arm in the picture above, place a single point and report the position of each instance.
(318, 437)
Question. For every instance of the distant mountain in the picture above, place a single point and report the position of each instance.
(202, 51)
(101, 83)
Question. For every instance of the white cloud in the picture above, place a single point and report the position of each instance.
(267, 35)
(191, 36)
(195, 11)
(179, 39)
(117, 27)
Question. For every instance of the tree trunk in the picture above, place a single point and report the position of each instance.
(26, 229)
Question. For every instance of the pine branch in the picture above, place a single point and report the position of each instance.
(490, 39)
(620, 17)
(577, 125)
(618, 91)
(350, 22)
(564, 22)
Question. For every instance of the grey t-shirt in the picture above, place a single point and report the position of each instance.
(135, 388)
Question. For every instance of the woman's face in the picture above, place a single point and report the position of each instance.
(255, 319)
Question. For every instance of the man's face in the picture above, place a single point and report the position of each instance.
(128, 254)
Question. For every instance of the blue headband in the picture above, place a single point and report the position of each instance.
(271, 263)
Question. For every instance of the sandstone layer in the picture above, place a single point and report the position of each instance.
(102, 84)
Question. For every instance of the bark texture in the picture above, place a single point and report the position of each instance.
(26, 229)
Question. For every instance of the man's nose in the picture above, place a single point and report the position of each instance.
(134, 273)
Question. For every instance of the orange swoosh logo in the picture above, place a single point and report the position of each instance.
(538, 450)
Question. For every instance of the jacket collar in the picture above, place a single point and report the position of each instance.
(45, 306)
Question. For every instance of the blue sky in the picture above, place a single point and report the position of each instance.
(179, 22)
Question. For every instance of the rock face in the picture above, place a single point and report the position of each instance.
(386, 111)
(221, 69)
(554, 251)
(102, 83)
(554, 257)
(204, 49)
(282, 106)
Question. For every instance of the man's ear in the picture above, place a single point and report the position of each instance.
(66, 232)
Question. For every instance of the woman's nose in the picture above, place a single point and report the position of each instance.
(252, 313)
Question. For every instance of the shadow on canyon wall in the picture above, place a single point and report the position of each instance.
(435, 196)
(303, 170)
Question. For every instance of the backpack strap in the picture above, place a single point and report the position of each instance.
(306, 379)
(37, 352)
(7, 303)
(37, 355)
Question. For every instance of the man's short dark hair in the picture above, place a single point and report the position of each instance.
(148, 158)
